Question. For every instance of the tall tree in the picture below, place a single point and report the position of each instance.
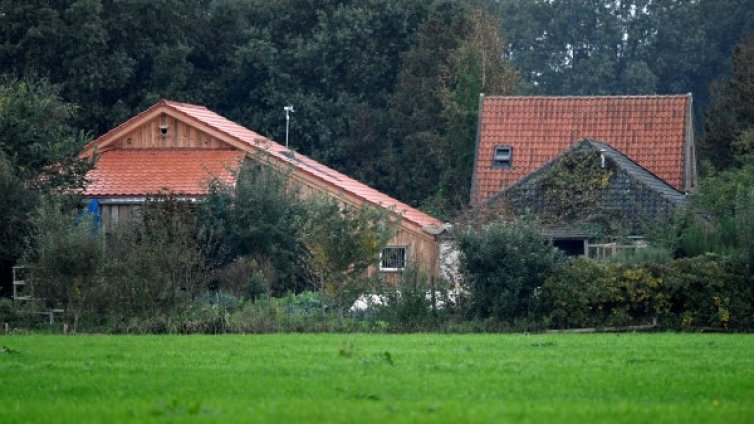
(624, 47)
(35, 133)
(581, 46)
(432, 117)
(476, 67)
(729, 126)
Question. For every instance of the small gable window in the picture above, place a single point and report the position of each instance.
(503, 157)
(393, 258)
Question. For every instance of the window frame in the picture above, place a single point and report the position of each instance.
(393, 269)
(502, 164)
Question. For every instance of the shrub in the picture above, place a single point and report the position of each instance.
(708, 290)
(257, 220)
(244, 278)
(503, 264)
(586, 293)
(66, 255)
(589, 294)
(744, 218)
(304, 312)
(720, 219)
(155, 265)
(407, 305)
(573, 297)
(650, 254)
(8, 312)
(342, 241)
(705, 291)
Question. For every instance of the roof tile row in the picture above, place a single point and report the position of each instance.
(118, 172)
(649, 129)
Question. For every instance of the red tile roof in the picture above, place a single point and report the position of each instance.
(651, 130)
(253, 142)
(144, 172)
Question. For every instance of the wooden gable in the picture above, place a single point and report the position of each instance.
(166, 131)
(176, 127)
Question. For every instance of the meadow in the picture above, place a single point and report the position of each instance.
(622, 378)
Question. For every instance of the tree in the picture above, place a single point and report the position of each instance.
(433, 109)
(729, 126)
(581, 46)
(15, 203)
(66, 255)
(257, 220)
(343, 241)
(717, 219)
(744, 218)
(337, 62)
(38, 147)
(476, 67)
(591, 47)
(155, 263)
(36, 132)
(503, 264)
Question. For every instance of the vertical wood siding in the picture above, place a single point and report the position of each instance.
(179, 135)
(421, 247)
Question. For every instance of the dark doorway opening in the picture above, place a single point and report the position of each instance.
(571, 247)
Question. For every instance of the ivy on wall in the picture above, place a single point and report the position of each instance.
(569, 189)
(576, 194)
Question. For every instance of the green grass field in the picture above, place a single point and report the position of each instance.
(378, 378)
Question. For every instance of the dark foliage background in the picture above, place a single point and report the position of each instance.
(387, 92)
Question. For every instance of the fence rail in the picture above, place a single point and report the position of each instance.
(606, 250)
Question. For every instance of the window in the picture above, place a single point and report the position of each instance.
(393, 259)
(503, 157)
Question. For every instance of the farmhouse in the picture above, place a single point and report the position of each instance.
(517, 135)
(590, 190)
(177, 148)
(588, 167)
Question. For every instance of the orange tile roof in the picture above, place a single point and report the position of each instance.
(651, 130)
(253, 142)
(144, 172)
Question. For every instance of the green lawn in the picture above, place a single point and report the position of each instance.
(378, 378)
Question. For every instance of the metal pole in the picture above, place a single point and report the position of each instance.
(288, 110)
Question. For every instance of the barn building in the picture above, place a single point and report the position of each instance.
(177, 148)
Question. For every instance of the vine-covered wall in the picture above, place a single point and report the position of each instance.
(576, 192)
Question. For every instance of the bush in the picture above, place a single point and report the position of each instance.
(155, 264)
(720, 219)
(257, 220)
(407, 306)
(503, 264)
(304, 312)
(705, 291)
(586, 293)
(66, 255)
(244, 278)
(650, 254)
(342, 242)
(708, 290)
(8, 312)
